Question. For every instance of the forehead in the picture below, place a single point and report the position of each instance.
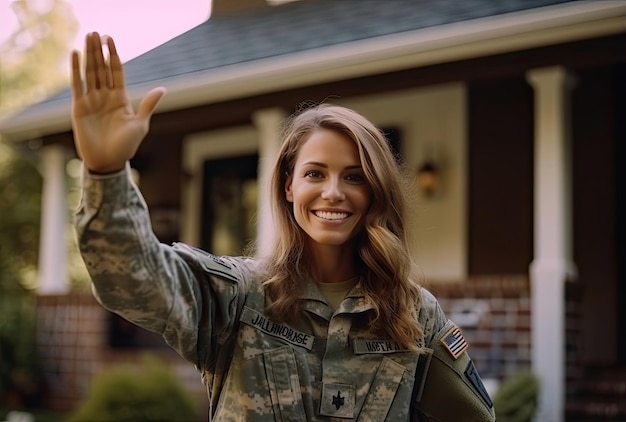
(328, 146)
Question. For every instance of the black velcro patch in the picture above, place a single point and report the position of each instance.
(472, 374)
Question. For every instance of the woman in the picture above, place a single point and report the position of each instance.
(332, 326)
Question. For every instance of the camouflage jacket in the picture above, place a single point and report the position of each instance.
(325, 366)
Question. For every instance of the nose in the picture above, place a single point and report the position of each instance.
(333, 190)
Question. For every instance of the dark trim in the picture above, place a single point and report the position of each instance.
(620, 166)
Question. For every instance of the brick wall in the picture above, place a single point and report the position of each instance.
(575, 367)
(494, 314)
(72, 333)
(70, 336)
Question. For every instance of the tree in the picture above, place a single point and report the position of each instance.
(34, 65)
(20, 188)
(35, 56)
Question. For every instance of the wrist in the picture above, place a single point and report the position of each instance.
(103, 171)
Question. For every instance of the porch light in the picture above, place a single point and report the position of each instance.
(428, 178)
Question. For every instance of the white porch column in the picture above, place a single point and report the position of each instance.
(553, 264)
(269, 123)
(52, 277)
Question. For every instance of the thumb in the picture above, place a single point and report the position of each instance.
(149, 102)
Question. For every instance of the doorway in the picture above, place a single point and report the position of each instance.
(229, 204)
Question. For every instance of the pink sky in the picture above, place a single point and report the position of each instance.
(136, 25)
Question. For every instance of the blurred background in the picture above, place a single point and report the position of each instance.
(36, 37)
(508, 118)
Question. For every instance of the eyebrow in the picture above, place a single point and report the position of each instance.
(316, 163)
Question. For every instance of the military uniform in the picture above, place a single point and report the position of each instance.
(325, 366)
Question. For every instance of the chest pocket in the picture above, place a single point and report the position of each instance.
(389, 379)
(389, 395)
(270, 366)
(284, 384)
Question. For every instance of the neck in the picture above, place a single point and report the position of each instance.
(331, 264)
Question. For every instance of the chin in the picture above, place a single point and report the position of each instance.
(332, 241)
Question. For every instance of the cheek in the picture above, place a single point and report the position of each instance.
(301, 193)
(365, 198)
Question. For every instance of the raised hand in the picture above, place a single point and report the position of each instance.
(107, 131)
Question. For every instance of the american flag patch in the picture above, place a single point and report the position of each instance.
(454, 342)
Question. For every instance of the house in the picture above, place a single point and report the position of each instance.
(519, 107)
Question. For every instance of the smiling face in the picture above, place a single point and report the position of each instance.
(328, 190)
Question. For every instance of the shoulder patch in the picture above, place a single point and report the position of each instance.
(208, 262)
(218, 266)
(454, 342)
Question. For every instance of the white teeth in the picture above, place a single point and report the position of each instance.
(331, 215)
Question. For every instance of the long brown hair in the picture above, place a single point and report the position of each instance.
(388, 275)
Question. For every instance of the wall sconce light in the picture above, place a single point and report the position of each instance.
(428, 178)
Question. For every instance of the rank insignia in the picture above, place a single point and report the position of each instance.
(338, 401)
(454, 342)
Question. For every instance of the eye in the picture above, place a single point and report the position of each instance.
(313, 174)
(355, 178)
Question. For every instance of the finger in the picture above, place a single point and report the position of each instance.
(90, 63)
(149, 103)
(77, 82)
(107, 69)
(101, 70)
(117, 70)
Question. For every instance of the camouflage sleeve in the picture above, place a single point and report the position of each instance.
(449, 387)
(136, 276)
(431, 316)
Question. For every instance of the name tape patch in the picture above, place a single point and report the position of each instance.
(454, 342)
(363, 347)
(261, 322)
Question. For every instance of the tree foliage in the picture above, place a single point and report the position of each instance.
(33, 66)
(35, 56)
(20, 190)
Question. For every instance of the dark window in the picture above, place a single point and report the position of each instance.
(126, 335)
(229, 204)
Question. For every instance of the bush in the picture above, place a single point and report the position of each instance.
(149, 392)
(21, 380)
(516, 398)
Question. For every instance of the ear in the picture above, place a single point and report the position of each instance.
(288, 192)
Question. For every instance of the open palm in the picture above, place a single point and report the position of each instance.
(107, 131)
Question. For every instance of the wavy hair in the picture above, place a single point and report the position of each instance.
(388, 274)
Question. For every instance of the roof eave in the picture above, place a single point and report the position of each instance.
(480, 37)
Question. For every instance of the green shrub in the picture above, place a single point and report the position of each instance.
(149, 392)
(21, 380)
(516, 397)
